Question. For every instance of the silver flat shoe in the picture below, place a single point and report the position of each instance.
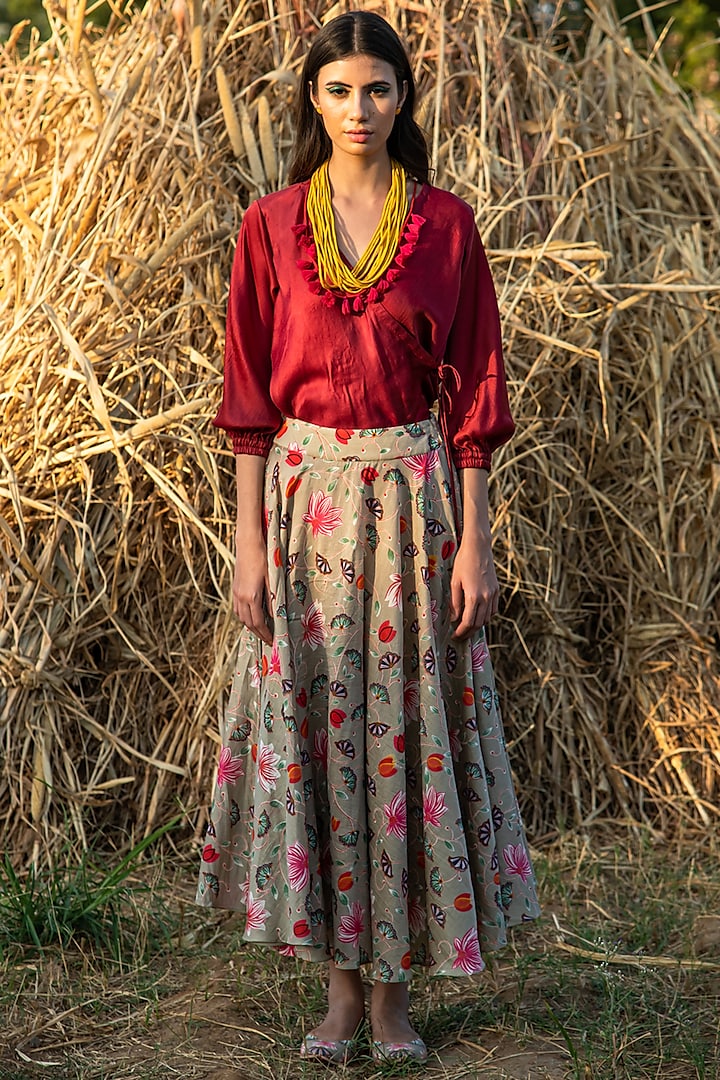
(329, 1051)
(413, 1051)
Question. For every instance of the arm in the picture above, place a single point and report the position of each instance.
(250, 582)
(478, 421)
(474, 587)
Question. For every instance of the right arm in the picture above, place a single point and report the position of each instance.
(248, 413)
(250, 582)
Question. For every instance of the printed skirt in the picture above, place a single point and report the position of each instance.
(364, 808)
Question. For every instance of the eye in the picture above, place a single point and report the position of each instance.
(336, 91)
(379, 91)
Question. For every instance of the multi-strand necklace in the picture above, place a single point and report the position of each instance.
(333, 271)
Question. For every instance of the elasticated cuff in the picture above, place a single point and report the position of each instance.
(251, 443)
(472, 459)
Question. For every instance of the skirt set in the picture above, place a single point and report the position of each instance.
(363, 808)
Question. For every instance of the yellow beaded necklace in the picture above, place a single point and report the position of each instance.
(333, 271)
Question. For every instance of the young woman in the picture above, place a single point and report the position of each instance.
(364, 812)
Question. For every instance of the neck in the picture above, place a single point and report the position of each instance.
(351, 177)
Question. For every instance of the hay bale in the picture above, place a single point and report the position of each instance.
(127, 160)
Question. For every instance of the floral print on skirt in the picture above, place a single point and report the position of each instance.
(364, 808)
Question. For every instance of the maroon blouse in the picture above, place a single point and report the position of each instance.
(430, 325)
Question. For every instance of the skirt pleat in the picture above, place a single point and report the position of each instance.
(364, 808)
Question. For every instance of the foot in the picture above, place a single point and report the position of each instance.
(389, 1015)
(346, 1006)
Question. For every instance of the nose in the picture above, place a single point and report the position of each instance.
(358, 105)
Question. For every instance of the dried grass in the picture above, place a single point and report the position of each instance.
(127, 158)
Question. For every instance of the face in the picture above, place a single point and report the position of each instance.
(358, 97)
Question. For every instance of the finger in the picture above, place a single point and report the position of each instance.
(456, 598)
(259, 623)
(467, 622)
(268, 597)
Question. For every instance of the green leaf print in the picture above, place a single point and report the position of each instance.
(349, 777)
(394, 476)
(379, 692)
(263, 875)
(312, 836)
(372, 536)
(436, 881)
(387, 930)
(264, 823)
(428, 848)
(318, 684)
(472, 768)
(359, 713)
(486, 698)
(355, 658)
(268, 716)
(300, 590)
(341, 622)
(422, 504)
(234, 813)
(350, 839)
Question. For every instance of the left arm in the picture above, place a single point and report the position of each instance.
(478, 421)
(474, 587)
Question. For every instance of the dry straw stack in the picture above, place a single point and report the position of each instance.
(126, 161)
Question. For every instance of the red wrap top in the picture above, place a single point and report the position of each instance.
(430, 325)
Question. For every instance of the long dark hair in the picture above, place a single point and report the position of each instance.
(350, 35)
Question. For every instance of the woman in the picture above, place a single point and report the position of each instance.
(364, 812)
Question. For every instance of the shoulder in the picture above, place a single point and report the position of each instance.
(447, 209)
(278, 206)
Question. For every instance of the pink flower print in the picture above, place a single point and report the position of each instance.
(286, 950)
(411, 695)
(321, 515)
(455, 745)
(256, 914)
(396, 812)
(468, 957)
(256, 674)
(393, 596)
(422, 466)
(313, 624)
(229, 768)
(274, 668)
(352, 925)
(417, 916)
(433, 806)
(480, 654)
(517, 862)
(320, 751)
(298, 867)
(267, 770)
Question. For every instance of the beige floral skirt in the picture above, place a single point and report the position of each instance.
(363, 808)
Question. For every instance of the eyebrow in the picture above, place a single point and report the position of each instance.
(347, 86)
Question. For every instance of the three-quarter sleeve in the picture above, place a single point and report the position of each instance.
(477, 410)
(247, 411)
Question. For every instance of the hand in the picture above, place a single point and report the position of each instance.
(251, 586)
(474, 589)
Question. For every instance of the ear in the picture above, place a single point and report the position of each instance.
(313, 96)
(403, 94)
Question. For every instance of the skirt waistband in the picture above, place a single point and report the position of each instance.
(359, 444)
